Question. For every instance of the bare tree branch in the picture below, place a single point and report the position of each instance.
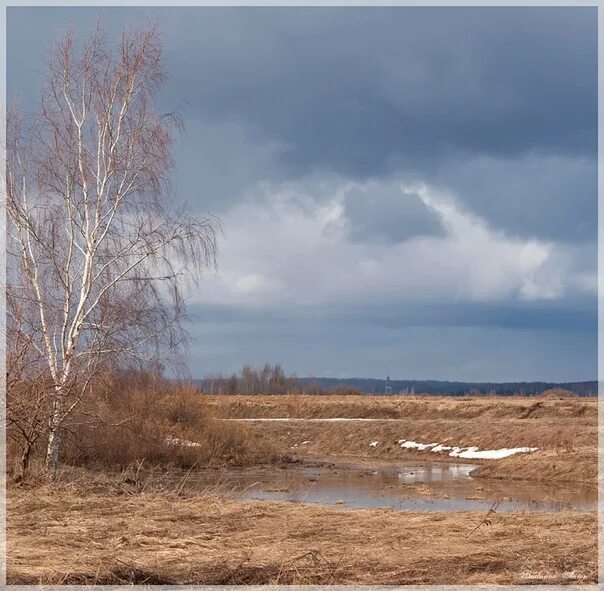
(99, 253)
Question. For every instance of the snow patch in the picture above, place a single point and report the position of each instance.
(415, 445)
(176, 441)
(328, 420)
(467, 452)
(492, 454)
(441, 447)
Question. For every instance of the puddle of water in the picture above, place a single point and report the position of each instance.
(429, 486)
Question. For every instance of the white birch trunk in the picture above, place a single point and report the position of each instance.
(100, 254)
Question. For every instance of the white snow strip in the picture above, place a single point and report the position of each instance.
(440, 447)
(467, 452)
(492, 454)
(176, 441)
(414, 445)
(290, 419)
(457, 451)
(374, 443)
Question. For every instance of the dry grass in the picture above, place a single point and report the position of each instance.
(73, 536)
(577, 465)
(160, 424)
(350, 441)
(564, 430)
(144, 526)
(153, 436)
(134, 421)
(401, 407)
(354, 437)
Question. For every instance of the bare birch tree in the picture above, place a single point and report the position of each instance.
(98, 254)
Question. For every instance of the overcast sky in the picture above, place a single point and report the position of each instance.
(403, 191)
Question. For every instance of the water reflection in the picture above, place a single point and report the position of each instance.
(429, 486)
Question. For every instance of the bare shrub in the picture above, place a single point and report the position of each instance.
(162, 424)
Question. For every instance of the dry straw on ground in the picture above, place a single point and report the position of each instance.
(75, 536)
(127, 523)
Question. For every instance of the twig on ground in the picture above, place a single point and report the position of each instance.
(487, 517)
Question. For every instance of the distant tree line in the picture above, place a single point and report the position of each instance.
(272, 379)
(269, 379)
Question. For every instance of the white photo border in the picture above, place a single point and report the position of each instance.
(5, 5)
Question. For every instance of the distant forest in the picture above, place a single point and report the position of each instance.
(375, 386)
(272, 379)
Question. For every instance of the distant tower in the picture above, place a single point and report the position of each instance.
(388, 388)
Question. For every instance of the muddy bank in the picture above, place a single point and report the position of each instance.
(203, 540)
(355, 437)
(579, 465)
(566, 449)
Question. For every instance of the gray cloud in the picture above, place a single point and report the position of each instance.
(217, 163)
(386, 213)
(419, 83)
(271, 93)
(549, 316)
(551, 197)
(320, 347)
(496, 107)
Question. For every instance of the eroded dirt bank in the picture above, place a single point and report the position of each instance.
(564, 432)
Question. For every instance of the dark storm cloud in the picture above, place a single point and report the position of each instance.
(274, 93)
(381, 83)
(313, 346)
(365, 93)
(488, 80)
(497, 106)
(550, 197)
(417, 91)
(581, 318)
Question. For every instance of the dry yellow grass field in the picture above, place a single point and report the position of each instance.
(398, 407)
(99, 524)
(563, 429)
(81, 536)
